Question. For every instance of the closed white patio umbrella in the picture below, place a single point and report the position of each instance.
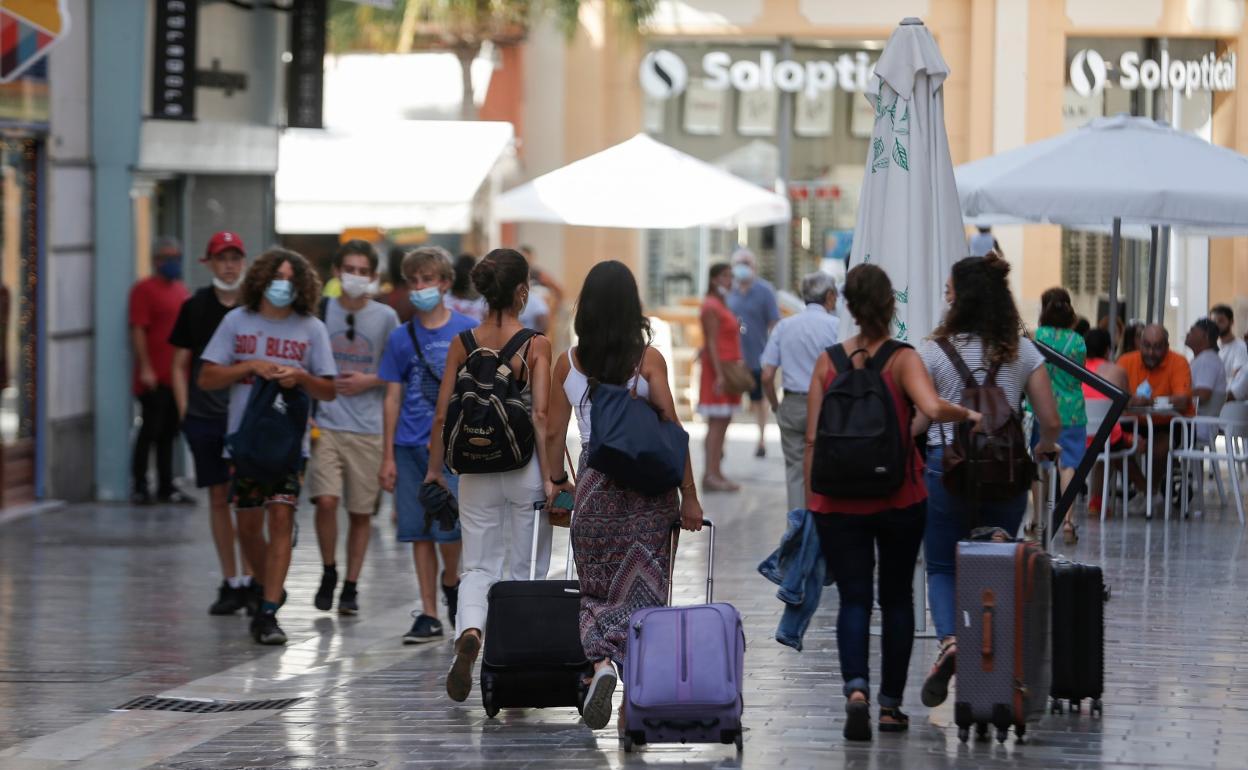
(909, 220)
(642, 183)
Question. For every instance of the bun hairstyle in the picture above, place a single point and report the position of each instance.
(498, 275)
(983, 306)
(869, 296)
(1056, 309)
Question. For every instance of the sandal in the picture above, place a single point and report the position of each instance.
(936, 686)
(893, 720)
(857, 718)
(719, 485)
(1070, 532)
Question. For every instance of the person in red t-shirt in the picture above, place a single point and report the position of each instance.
(154, 305)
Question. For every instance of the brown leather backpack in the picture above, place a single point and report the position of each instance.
(990, 463)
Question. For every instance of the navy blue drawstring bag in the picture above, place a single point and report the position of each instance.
(268, 444)
(632, 444)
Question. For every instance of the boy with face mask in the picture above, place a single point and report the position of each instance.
(348, 453)
(155, 303)
(413, 365)
(203, 412)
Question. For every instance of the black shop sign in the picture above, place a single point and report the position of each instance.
(305, 75)
(173, 60)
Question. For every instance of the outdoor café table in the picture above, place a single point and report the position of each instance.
(1148, 413)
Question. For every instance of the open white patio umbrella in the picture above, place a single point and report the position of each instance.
(642, 183)
(1115, 171)
(909, 220)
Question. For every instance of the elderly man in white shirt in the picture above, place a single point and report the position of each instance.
(793, 348)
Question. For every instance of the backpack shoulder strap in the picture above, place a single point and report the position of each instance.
(958, 362)
(840, 359)
(513, 346)
(469, 341)
(885, 354)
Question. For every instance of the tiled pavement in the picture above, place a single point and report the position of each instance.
(99, 604)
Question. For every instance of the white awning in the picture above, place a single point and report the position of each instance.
(407, 174)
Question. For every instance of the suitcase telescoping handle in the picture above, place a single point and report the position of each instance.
(538, 507)
(710, 561)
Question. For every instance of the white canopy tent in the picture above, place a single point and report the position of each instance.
(1113, 172)
(404, 174)
(642, 183)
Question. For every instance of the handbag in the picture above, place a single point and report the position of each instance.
(738, 379)
(632, 444)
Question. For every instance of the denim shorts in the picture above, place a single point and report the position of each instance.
(412, 463)
(1074, 442)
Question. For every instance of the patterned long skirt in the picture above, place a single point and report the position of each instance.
(622, 543)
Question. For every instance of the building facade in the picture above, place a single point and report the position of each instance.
(772, 92)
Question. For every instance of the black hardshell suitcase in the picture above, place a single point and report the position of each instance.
(533, 656)
(1079, 596)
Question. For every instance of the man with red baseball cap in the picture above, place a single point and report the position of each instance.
(203, 412)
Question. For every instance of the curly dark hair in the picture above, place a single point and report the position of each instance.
(869, 295)
(611, 330)
(1056, 309)
(306, 283)
(498, 275)
(983, 305)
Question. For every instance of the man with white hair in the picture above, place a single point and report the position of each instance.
(753, 300)
(794, 346)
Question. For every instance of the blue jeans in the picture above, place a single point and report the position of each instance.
(850, 541)
(948, 521)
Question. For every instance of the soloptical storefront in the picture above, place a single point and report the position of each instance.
(772, 92)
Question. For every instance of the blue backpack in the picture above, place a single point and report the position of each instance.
(268, 444)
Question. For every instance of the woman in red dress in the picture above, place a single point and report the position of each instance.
(721, 343)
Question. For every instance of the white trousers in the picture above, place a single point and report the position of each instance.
(490, 505)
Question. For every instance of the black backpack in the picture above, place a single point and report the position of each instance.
(489, 424)
(861, 449)
(268, 444)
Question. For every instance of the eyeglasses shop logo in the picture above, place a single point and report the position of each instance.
(664, 74)
(1090, 75)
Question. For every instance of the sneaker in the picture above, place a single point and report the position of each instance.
(459, 678)
(255, 597)
(325, 594)
(425, 629)
(265, 630)
(450, 595)
(229, 600)
(348, 603)
(142, 497)
(936, 686)
(597, 708)
(176, 497)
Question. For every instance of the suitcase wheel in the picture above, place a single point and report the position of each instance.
(1097, 708)
(1056, 707)
(964, 734)
(1076, 706)
(626, 743)
(740, 743)
(1020, 732)
(487, 700)
(1002, 734)
(981, 731)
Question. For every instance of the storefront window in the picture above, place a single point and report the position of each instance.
(19, 280)
(736, 124)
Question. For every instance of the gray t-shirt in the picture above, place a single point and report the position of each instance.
(245, 335)
(357, 351)
(1011, 377)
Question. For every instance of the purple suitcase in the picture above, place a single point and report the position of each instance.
(683, 671)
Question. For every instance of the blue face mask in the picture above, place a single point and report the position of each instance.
(280, 293)
(425, 299)
(170, 269)
(742, 272)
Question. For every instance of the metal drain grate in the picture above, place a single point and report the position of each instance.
(193, 706)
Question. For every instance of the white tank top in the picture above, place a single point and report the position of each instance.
(575, 386)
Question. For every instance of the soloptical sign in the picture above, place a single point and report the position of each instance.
(1090, 73)
(664, 74)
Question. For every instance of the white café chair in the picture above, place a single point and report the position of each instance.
(1188, 448)
(1097, 409)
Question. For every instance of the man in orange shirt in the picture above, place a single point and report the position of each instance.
(1155, 371)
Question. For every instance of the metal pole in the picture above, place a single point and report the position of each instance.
(784, 232)
(1152, 274)
(1163, 281)
(1115, 260)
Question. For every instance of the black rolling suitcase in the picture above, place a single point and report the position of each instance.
(533, 656)
(1079, 596)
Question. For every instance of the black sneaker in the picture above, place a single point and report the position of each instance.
(264, 629)
(425, 629)
(325, 594)
(255, 597)
(229, 600)
(348, 602)
(142, 497)
(450, 595)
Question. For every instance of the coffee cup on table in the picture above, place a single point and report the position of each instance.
(1162, 402)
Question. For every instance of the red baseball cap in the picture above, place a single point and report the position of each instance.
(222, 241)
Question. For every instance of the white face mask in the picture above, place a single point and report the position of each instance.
(223, 286)
(355, 286)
